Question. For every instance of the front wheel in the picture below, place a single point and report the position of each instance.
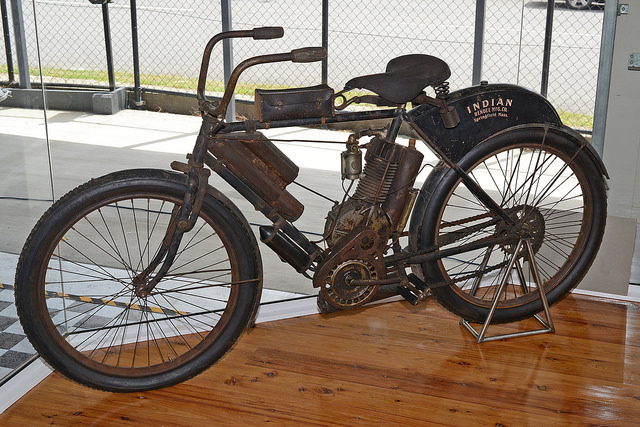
(78, 273)
(553, 192)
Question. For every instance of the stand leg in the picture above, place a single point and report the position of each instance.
(547, 324)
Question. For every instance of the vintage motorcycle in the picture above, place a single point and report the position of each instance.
(143, 278)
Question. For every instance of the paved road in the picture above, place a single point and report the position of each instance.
(363, 37)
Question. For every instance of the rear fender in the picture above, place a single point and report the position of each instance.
(483, 111)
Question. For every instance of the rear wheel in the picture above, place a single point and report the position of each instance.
(554, 194)
(79, 270)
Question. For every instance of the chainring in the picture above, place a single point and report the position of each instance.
(337, 290)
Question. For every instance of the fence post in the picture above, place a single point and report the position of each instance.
(546, 57)
(137, 90)
(21, 44)
(107, 44)
(325, 40)
(7, 40)
(478, 42)
(227, 56)
(604, 75)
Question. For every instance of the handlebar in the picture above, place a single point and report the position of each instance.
(307, 54)
(260, 33)
(266, 33)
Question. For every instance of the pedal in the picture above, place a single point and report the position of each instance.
(418, 283)
(408, 295)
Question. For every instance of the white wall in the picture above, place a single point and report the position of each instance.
(622, 135)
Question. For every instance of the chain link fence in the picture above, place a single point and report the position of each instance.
(363, 36)
(514, 49)
(575, 58)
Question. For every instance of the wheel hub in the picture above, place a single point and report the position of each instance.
(139, 284)
(528, 224)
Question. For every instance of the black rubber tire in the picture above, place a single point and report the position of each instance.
(74, 284)
(569, 220)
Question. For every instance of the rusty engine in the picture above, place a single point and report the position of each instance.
(357, 231)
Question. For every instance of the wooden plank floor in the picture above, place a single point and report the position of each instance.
(391, 364)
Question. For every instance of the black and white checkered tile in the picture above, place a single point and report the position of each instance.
(15, 348)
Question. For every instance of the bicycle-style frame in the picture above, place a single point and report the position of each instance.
(435, 120)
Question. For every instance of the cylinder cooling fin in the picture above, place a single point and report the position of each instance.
(382, 160)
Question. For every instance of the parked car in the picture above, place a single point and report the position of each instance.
(582, 4)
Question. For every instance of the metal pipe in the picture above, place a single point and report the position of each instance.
(235, 75)
(21, 44)
(325, 40)
(604, 75)
(478, 42)
(546, 58)
(443, 253)
(338, 118)
(7, 40)
(392, 133)
(206, 56)
(227, 56)
(307, 54)
(286, 248)
(107, 45)
(137, 89)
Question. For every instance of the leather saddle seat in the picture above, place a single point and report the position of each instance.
(405, 78)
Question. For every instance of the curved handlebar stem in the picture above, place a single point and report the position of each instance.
(220, 109)
(261, 33)
(307, 54)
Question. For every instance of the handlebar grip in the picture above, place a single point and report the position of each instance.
(265, 33)
(308, 54)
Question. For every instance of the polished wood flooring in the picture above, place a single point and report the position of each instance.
(391, 364)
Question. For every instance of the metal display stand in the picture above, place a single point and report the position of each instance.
(546, 323)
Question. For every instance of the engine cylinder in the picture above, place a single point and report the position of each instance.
(382, 161)
(389, 174)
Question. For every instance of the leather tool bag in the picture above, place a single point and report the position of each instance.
(297, 103)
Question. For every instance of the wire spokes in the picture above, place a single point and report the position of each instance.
(90, 292)
(539, 190)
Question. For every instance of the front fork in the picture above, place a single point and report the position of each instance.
(183, 218)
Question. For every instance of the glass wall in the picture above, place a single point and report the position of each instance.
(68, 110)
(26, 181)
(56, 135)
